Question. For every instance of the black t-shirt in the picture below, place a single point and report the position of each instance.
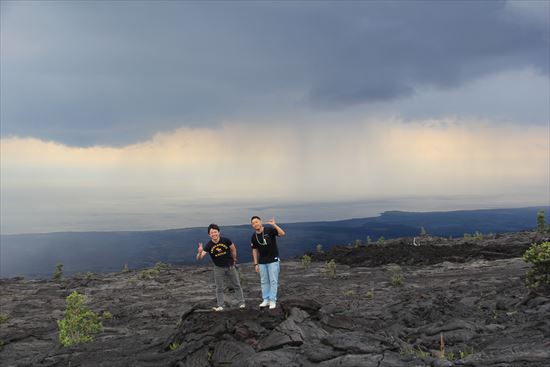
(220, 252)
(266, 244)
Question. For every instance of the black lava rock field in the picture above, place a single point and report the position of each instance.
(441, 302)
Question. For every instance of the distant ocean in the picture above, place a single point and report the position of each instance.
(36, 255)
(141, 214)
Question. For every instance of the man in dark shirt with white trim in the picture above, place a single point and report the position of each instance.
(224, 256)
(266, 258)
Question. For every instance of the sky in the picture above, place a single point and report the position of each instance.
(136, 115)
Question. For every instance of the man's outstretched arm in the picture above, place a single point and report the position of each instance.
(279, 230)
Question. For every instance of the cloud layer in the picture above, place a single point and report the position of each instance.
(91, 73)
(174, 173)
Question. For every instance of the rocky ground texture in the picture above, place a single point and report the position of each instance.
(460, 303)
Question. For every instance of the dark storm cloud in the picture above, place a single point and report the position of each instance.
(116, 72)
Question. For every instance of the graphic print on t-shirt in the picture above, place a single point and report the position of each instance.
(220, 252)
(219, 249)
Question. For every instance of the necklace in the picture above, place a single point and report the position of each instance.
(263, 243)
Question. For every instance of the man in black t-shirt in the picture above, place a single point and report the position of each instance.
(266, 258)
(224, 256)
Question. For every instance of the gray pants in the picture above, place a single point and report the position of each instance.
(231, 273)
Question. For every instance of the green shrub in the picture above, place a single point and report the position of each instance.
(306, 261)
(396, 276)
(381, 240)
(541, 225)
(149, 273)
(411, 351)
(3, 318)
(79, 323)
(174, 346)
(423, 231)
(349, 293)
(89, 275)
(467, 236)
(369, 240)
(159, 265)
(478, 236)
(369, 294)
(466, 352)
(330, 269)
(358, 243)
(58, 273)
(319, 249)
(538, 277)
(106, 315)
(125, 269)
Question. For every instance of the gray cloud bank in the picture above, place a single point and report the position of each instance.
(86, 73)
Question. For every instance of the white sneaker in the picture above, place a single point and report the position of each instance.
(242, 305)
(272, 305)
(218, 309)
(265, 303)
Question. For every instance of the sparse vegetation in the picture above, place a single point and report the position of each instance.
(538, 277)
(89, 275)
(79, 323)
(467, 236)
(423, 231)
(159, 266)
(396, 276)
(466, 352)
(478, 236)
(349, 293)
(125, 269)
(541, 223)
(151, 273)
(3, 318)
(370, 294)
(148, 273)
(306, 261)
(106, 315)
(58, 273)
(319, 249)
(369, 240)
(174, 346)
(418, 351)
(381, 240)
(330, 269)
(358, 243)
(422, 352)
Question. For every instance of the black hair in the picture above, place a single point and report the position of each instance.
(213, 226)
(255, 217)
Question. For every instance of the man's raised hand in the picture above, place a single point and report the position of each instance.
(271, 221)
